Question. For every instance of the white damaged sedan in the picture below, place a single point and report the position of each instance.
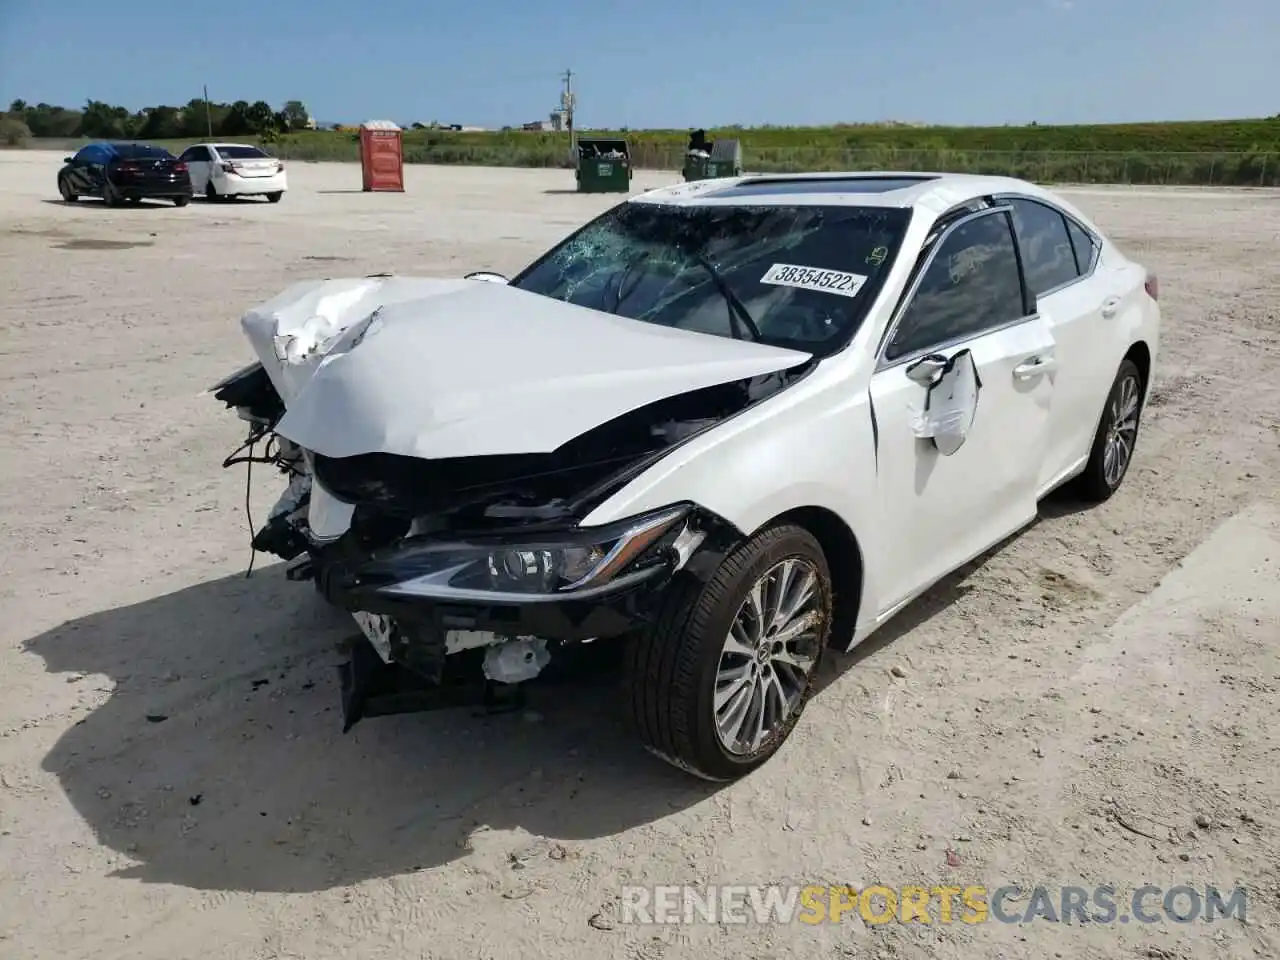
(727, 424)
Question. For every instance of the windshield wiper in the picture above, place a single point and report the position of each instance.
(739, 316)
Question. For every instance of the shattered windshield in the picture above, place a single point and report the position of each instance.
(791, 276)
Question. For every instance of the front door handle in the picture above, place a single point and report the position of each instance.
(1110, 306)
(1034, 368)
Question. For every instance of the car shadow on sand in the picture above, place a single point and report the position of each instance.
(87, 202)
(218, 761)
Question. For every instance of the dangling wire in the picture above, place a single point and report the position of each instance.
(248, 509)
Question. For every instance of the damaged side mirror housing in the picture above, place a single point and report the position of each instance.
(926, 370)
(487, 276)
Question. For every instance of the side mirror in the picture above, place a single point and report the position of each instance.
(487, 276)
(926, 370)
(68, 159)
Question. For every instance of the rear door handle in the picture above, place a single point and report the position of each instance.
(1034, 368)
(1110, 306)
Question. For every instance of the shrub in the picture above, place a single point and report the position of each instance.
(13, 132)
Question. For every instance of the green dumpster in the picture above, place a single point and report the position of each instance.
(604, 166)
(695, 166)
(723, 160)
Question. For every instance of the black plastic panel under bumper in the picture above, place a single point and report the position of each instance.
(154, 193)
(607, 613)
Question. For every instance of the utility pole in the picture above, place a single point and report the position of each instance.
(566, 104)
(208, 114)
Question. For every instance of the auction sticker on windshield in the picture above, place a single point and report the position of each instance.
(811, 278)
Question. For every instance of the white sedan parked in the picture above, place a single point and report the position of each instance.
(728, 423)
(234, 170)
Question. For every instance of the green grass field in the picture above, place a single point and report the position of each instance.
(1228, 152)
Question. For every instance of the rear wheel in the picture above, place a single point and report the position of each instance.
(1116, 437)
(210, 193)
(274, 196)
(719, 681)
(64, 188)
(110, 195)
(181, 201)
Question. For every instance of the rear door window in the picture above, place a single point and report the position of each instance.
(972, 285)
(238, 152)
(1048, 259)
(1086, 248)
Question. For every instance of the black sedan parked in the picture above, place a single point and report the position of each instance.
(117, 172)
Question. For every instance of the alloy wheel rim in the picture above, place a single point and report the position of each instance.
(768, 655)
(1122, 434)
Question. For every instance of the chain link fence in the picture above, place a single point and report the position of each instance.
(1256, 168)
(1251, 169)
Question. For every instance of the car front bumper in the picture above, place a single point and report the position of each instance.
(229, 184)
(420, 652)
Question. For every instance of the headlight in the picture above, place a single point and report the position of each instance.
(575, 562)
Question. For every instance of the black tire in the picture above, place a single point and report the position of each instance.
(1098, 481)
(64, 188)
(210, 193)
(274, 196)
(110, 195)
(181, 201)
(672, 667)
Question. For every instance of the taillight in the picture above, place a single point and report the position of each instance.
(179, 167)
(1152, 286)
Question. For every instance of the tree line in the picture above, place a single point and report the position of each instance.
(196, 119)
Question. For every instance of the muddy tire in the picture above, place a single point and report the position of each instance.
(718, 683)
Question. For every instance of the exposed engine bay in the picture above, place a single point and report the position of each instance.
(466, 574)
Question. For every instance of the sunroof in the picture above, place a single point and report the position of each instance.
(756, 186)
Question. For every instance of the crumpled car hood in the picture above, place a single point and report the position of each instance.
(293, 331)
(469, 368)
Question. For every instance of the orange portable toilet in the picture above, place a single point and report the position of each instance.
(382, 156)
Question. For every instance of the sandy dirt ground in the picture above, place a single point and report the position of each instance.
(1092, 704)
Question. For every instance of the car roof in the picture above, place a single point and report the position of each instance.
(219, 143)
(936, 192)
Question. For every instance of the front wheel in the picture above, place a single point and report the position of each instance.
(181, 201)
(1116, 437)
(719, 681)
(64, 188)
(274, 196)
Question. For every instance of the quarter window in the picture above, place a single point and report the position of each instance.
(1085, 248)
(971, 285)
(1047, 256)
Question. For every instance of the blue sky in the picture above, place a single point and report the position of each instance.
(660, 63)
